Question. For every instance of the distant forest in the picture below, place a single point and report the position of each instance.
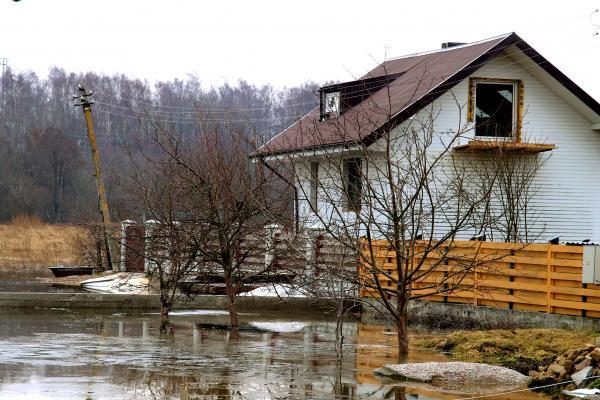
(45, 160)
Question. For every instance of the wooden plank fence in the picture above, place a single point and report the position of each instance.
(534, 277)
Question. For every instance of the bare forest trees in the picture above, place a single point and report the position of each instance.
(204, 199)
(31, 107)
(403, 200)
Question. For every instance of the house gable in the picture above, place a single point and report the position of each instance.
(419, 80)
(566, 203)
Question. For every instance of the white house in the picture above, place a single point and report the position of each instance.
(478, 99)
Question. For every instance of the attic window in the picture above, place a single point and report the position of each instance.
(496, 108)
(331, 104)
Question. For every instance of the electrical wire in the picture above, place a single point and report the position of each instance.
(169, 118)
(523, 390)
(173, 117)
(172, 113)
(140, 104)
(189, 120)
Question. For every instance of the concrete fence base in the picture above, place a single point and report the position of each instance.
(466, 316)
(435, 315)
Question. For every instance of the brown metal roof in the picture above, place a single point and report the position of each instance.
(421, 79)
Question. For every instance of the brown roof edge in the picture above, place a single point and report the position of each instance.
(513, 38)
(267, 153)
(564, 80)
(449, 83)
(442, 88)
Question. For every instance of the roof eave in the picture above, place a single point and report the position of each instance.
(442, 88)
(564, 80)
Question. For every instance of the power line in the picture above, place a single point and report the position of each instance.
(3, 64)
(170, 118)
(175, 114)
(524, 390)
(193, 120)
(141, 104)
(173, 117)
(501, 48)
(197, 111)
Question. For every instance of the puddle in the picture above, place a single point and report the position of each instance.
(61, 355)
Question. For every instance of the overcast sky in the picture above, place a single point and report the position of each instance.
(281, 42)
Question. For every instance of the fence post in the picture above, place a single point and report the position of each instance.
(124, 225)
(149, 228)
(273, 231)
(476, 275)
(549, 279)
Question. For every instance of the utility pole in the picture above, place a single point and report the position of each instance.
(86, 106)
(3, 64)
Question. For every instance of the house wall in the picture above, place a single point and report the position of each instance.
(567, 202)
(330, 198)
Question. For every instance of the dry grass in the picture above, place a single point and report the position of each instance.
(521, 349)
(30, 243)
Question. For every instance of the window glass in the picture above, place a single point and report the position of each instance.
(494, 109)
(314, 183)
(332, 103)
(353, 184)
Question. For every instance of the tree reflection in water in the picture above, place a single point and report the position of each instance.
(71, 355)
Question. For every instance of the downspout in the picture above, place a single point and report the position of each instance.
(290, 184)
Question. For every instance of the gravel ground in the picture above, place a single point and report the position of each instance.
(442, 373)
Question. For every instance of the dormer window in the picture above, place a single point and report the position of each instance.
(495, 107)
(338, 98)
(331, 104)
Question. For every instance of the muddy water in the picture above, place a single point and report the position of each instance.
(32, 281)
(58, 354)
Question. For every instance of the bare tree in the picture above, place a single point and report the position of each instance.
(328, 271)
(409, 196)
(510, 214)
(206, 199)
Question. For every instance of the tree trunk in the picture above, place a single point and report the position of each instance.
(402, 326)
(337, 383)
(339, 331)
(166, 328)
(230, 290)
(399, 393)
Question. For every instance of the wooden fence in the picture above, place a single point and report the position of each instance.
(534, 277)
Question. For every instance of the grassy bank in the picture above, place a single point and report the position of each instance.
(519, 349)
(27, 242)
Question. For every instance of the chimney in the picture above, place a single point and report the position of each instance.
(447, 45)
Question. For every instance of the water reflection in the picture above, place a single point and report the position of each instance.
(32, 281)
(62, 355)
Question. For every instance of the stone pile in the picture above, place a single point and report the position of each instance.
(578, 365)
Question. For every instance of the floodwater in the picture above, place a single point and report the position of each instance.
(58, 354)
(33, 281)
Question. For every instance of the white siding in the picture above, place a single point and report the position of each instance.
(568, 200)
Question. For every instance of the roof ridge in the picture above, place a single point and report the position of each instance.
(462, 46)
(444, 74)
